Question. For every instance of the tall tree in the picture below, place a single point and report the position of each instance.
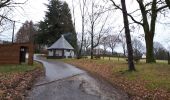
(83, 11)
(26, 33)
(131, 65)
(97, 22)
(58, 21)
(149, 12)
(149, 30)
(128, 37)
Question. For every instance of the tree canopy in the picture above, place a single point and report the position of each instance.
(57, 22)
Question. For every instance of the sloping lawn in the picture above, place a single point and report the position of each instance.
(16, 79)
(150, 81)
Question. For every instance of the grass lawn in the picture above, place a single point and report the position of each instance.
(149, 79)
(18, 68)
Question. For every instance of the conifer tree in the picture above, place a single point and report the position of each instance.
(57, 22)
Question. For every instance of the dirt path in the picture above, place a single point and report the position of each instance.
(66, 82)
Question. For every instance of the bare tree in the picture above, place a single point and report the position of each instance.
(128, 37)
(4, 3)
(112, 41)
(5, 21)
(5, 24)
(10, 3)
(97, 20)
(82, 6)
(86, 44)
(104, 43)
(6, 7)
(26, 33)
(149, 12)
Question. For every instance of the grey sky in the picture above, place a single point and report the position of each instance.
(35, 10)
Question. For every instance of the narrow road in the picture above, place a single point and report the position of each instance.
(66, 82)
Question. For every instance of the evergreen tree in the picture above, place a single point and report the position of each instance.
(57, 22)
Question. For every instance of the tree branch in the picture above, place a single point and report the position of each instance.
(133, 19)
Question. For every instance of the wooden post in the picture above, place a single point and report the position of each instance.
(63, 53)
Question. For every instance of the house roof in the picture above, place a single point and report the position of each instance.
(61, 44)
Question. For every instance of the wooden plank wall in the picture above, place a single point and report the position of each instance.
(10, 53)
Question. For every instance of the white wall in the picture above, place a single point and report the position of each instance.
(59, 53)
(68, 53)
(50, 53)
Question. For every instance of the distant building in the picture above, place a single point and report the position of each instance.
(61, 49)
(98, 51)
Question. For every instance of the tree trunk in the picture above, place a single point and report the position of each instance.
(149, 30)
(124, 52)
(149, 50)
(104, 53)
(79, 54)
(81, 46)
(128, 37)
(92, 47)
(112, 51)
(82, 39)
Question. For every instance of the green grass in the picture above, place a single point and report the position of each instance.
(17, 68)
(156, 75)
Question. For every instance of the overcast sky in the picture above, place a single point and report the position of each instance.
(35, 10)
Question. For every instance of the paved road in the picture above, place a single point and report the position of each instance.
(66, 82)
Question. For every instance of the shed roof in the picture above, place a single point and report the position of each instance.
(61, 44)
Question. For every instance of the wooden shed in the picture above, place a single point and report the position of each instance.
(16, 53)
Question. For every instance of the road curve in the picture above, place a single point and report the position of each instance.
(66, 82)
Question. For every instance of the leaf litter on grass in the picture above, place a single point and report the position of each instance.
(135, 83)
